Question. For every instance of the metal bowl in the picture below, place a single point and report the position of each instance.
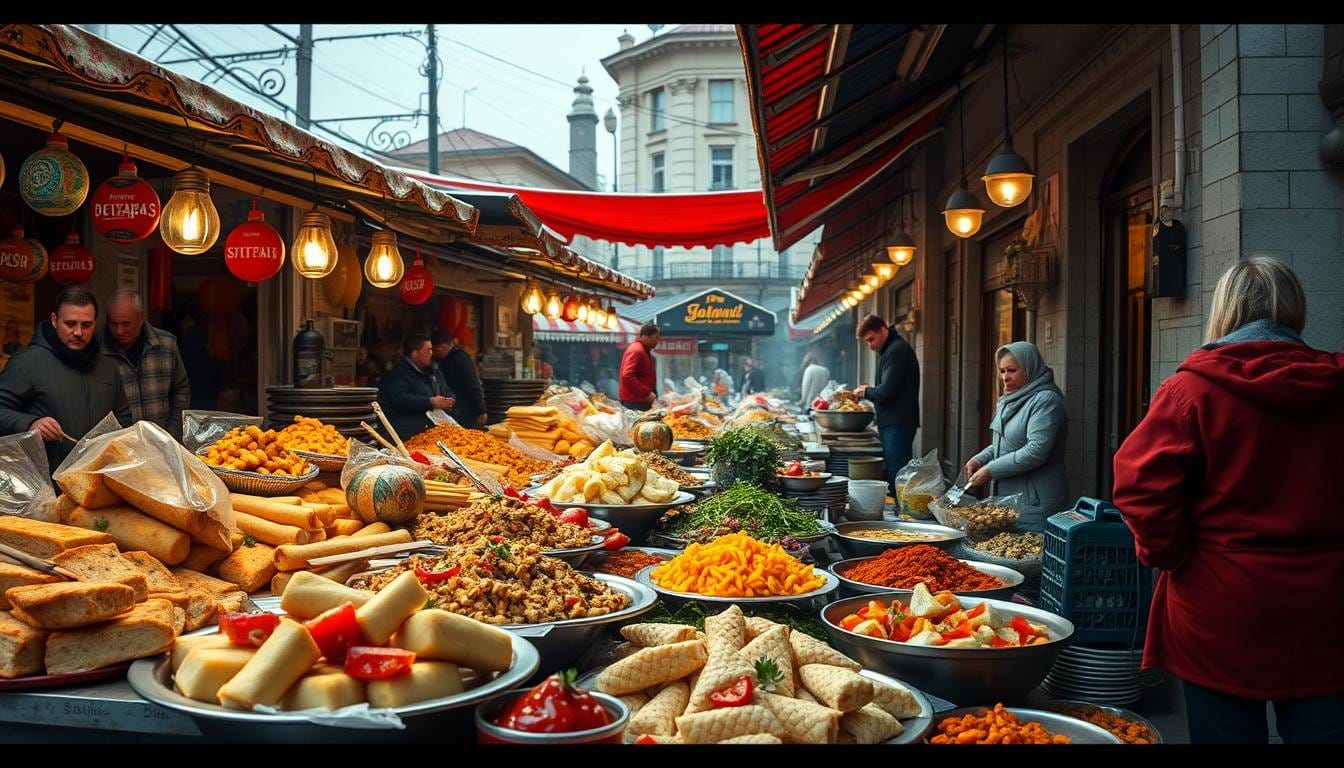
(1080, 731)
(842, 421)
(561, 643)
(860, 546)
(673, 600)
(449, 717)
(489, 733)
(576, 555)
(634, 520)
(955, 674)
(1011, 580)
(327, 462)
(1073, 708)
(806, 483)
(685, 458)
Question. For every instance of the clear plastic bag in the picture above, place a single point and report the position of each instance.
(362, 456)
(25, 480)
(154, 473)
(201, 428)
(918, 483)
(533, 451)
(981, 517)
(438, 416)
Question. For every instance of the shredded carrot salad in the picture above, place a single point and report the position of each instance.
(736, 565)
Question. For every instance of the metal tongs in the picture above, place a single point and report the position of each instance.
(490, 487)
(955, 494)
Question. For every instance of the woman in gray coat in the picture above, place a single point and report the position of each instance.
(1026, 449)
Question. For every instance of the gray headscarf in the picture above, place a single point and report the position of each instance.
(1039, 376)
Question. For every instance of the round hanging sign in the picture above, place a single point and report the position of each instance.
(52, 181)
(71, 263)
(40, 261)
(417, 285)
(254, 251)
(16, 257)
(125, 208)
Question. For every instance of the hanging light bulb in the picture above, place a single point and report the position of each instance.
(865, 289)
(855, 295)
(1008, 177)
(532, 302)
(597, 317)
(613, 319)
(314, 248)
(963, 213)
(901, 251)
(189, 223)
(581, 314)
(569, 310)
(884, 270)
(554, 306)
(871, 280)
(383, 266)
(849, 301)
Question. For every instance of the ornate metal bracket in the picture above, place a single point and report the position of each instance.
(1031, 272)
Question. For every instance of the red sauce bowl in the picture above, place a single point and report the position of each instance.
(489, 733)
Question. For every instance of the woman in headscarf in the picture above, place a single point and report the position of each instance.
(1026, 449)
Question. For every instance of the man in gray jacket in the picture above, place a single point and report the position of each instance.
(59, 385)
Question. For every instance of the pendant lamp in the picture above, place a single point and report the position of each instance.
(963, 213)
(1008, 177)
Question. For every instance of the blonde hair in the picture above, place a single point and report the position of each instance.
(1258, 288)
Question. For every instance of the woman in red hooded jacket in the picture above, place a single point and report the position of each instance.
(1225, 484)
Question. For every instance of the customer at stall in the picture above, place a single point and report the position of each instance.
(1025, 454)
(1225, 485)
(815, 376)
(639, 380)
(459, 374)
(153, 374)
(753, 378)
(895, 395)
(413, 387)
(59, 385)
(368, 372)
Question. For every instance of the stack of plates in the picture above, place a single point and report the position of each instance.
(837, 461)
(827, 502)
(341, 407)
(503, 394)
(1097, 675)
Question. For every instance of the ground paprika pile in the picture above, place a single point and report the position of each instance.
(904, 567)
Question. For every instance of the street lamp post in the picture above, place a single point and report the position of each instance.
(609, 122)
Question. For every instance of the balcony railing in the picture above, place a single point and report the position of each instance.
(736, 270)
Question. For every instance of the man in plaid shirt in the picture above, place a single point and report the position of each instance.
(152, 372)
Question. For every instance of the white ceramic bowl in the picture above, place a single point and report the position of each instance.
(867, 497)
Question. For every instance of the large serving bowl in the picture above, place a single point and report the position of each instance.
(1011, 580)
(807, 600)
(842, 421)
(804, 483)
(634, 520)
(446, 718)
(955, 674)
(576, 555)
(1080, 731)
(859, 546)
(561, 643)
(1079, 708)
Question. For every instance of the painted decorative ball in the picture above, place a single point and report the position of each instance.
(386, 493)
(52, 180)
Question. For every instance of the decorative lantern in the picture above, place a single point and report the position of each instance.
(581, 314)
(569, 311)
(41, 260)
(52, 181)
(417, 285)
(885, 270)
(553, 305)
(71, 263)
(613, 319)
(532, 302)
(314, 249)
(125, 208)
(254, 251)
(383, 266)
(189, 223)
(16, 257)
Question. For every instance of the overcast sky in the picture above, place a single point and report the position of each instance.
(523, 75)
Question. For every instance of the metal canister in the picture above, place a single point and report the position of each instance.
(309, 347)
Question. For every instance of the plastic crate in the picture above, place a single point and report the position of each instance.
(1091, 576)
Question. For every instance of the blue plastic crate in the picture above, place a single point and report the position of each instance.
(1091, 576)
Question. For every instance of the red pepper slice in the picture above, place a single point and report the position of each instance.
(486, 566)
(615, 540)
(248, 628)
(542, 503)
(368, 662)
(646, 739)
(999, 642)
(513, 493)
(421, 458)
(335, 630)
(435, 577)
(1023, 629)
(962, 631)
(976, 611)
(575, 515)
(736, 695)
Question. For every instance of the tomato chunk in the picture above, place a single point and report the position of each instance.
(368, 662)
(248, 628)
(335, 630)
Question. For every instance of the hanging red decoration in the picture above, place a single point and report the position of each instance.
(417, 284)
(41, 260)
(570, 310)
(52, 181)
(125, 208)
(254, 251)
(16, 257)
(71, 263)
(161, 277)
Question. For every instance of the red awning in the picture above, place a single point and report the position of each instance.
(687, 220)
(558, 330)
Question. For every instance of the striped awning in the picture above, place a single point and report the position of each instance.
(559, 330)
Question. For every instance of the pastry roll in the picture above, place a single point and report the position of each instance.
(426, 680)
(773, 644)
(726, 631)
(185, 645)
(718, 724)
(870, 724)
(306, 595)
(809, 650)
(803, 721)
(756, 625)
(754, 738)
(651, 666)
(634, 701)
(895, 700)
(380, 617)
(206, 670)
(285, 657)
(436, 634)
(720, 672)
(657, 634)
(836, 687)
(659, 716)
(324, 689)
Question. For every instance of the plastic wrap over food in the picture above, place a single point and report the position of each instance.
(25, 480)
(596, 423)
(143, 465)
(362, 456)
(918, 483)
(202, 428)
(533, 451)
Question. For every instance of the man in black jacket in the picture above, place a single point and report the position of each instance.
(459, 373)
(895, 395)
(412, 387)
(60, 385)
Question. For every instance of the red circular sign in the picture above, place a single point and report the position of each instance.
(570, 309)
(16, 257)
(254, 251)
(125, 208)
(417, 284)
(71, 263)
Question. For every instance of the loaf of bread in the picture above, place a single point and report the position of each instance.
(13, 575)
(102, 562)
(251, 568)
(146, 630)
(159, 497)
(231, 602)
(21, 647)
(193, 580)
(200, 608)
(70, 604)
(157, 575)
(46, 539)
(132, 529)
(201, 558)
(87, 487)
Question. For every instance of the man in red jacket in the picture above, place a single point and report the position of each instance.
(639, 382)
(1225, 484)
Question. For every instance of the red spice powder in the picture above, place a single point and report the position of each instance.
(904, 567)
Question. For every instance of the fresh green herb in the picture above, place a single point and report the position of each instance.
(745, 507)
(430, 603)
(767, 674)
(500, 550)
(101, 524)
(694, 613)
(249, 541)
(743, 454)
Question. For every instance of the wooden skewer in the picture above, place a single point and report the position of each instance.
(378, 437)
(378, 411)
(33, 561)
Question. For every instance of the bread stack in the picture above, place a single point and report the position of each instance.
(544, 427)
